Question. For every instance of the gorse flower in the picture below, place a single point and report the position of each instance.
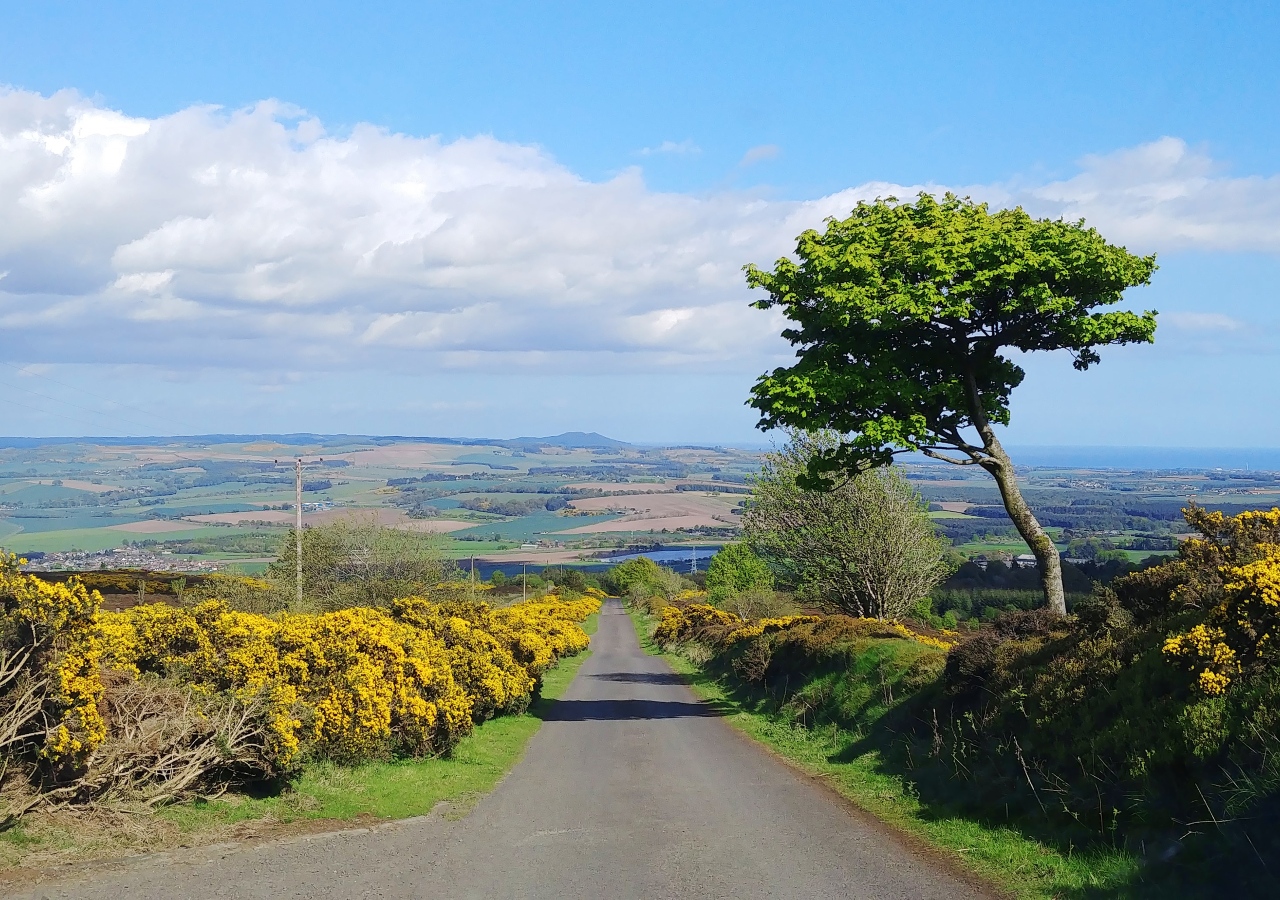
(348, 685)
(54, 628)
(1236, 578)
(719, 628)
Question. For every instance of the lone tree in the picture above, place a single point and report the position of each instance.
(905, 318)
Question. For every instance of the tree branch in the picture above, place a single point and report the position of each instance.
(934, 454)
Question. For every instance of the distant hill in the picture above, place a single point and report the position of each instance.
(570, 440)
(574, 440)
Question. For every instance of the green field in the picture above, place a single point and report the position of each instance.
(93, 539)
(179, 478)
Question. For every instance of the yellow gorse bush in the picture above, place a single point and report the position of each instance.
(348, 685)
(51, 629)
(1234, 571)
(695, 621)
(765, 626)
(360, 681)
(702, 622)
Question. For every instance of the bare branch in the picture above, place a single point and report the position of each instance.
(934, 454)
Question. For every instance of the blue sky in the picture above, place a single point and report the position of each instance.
(501, 219)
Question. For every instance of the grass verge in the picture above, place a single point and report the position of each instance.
(999, 854)
(325, 795)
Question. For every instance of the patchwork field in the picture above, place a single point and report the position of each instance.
(536, 500)
(183, 499)
(669, 510)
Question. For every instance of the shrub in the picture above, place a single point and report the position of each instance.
(864, 547)
(202, 694)
(1101, 727)
(759, 603)
(1235, 577)
(50, 689)
(623, 577)
(736, 569)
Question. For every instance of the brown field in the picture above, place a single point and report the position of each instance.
(620, 486)
(151, 526)
(955, 506)
(406, 456)
(434, 526)
(269, 516)
(654, 512)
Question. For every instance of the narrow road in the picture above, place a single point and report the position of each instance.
(631, 789)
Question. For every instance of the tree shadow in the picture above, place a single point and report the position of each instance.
(641, 677)
(629, 710)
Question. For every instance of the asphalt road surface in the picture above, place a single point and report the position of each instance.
(631, 789)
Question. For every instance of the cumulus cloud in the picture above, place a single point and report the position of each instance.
(1165, 196)
(254, 240)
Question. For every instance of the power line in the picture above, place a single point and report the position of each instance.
(92, 412)
(23, 370)
(90, 393)
(43, 412)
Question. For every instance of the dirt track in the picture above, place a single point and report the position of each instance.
(632, 789)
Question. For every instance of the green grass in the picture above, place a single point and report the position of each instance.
(243, 568)
(91, 539)
(324, 792)
(1002, 855)
(976, 547)
(464, 550)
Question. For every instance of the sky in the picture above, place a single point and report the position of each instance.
(500, 219)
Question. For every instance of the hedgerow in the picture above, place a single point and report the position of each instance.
(1148, 720)
(207, 694)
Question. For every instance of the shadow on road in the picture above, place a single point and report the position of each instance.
(641, 677)
(625, 710)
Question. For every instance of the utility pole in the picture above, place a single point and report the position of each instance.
(693, 562)
(524, 584)
(298, 528)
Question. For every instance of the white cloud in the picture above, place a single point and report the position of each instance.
(1201, 321)
(760, 154)
(1165, 196)
(253, 240)
(678, 148)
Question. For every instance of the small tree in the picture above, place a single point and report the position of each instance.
(362, 563)
(639, 571)
(865, 546)
(906, 317)
(735, 569)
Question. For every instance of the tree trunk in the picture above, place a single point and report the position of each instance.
(1041, 545)
(997, 462)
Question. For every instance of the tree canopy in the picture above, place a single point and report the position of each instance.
(734, 569)
(907, 318)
